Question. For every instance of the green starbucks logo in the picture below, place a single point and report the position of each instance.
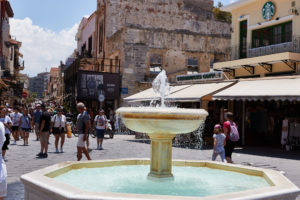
(268, 10)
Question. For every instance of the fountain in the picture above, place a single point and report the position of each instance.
(127, 178)
(162, 125)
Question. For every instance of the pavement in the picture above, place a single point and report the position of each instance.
(22, 160)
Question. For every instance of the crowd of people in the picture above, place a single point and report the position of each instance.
(43, 120)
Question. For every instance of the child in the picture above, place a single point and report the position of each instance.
(219, 143)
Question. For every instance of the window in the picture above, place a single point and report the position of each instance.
(155, 64)
(192, 66)
(100, 37)
(272, 35)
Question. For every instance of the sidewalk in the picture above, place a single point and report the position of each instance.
(22, 159)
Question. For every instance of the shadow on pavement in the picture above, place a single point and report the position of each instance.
(275, 152)
(15, 191)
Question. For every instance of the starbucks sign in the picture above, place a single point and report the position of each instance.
(268, 10)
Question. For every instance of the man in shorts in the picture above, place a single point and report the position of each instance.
(36, 120)
(45, 122)
(82, 125)
(15, 117)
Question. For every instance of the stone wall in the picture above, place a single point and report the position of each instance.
(189, 15)
(173, 29)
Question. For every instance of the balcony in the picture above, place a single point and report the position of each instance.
(293, 46)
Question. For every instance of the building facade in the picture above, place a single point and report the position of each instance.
(85, 36)
(265, 39)
(145, 37)
(265, 56)
(39, 84)
(10, 59)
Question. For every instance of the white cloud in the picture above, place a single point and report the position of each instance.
(42, 48)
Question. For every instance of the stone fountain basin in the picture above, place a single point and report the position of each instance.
(166, 121)
(41, 185)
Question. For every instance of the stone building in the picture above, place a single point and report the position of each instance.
(10, 59)
(179, 36)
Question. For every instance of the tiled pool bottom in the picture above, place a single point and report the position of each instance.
(188, 181)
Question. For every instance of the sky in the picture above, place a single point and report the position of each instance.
(47, 30)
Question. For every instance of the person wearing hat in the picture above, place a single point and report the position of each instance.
(219, 143)
(44, 132)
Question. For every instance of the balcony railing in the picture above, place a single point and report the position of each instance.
(293, 46)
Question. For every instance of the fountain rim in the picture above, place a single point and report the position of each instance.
(162, 113)
(43, 179)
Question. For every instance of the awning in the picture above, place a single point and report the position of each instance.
(149, 94)
(182, 93)
(283, 88)
(257, 61)
(194, 93)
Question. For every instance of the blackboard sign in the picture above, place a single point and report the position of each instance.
(98, 85)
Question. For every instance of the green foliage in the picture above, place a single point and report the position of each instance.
(221, 15)
(32, 97)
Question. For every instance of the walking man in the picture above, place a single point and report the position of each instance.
(45, 121)
(36, 120)
(82, 125)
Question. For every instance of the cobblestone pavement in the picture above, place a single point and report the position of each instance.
(21, 159)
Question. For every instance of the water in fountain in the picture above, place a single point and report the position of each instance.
(161, 87)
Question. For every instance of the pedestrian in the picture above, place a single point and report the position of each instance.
(36, 120)
(219, 143)
(25, 124)
(59, 128)
(7, 124)
(15, 117)
(82, 125)
(100, 124)
(232, 136)
(3, 172)
(45, 121)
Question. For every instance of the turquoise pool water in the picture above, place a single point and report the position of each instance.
(188, 181)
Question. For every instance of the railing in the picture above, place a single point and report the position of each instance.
(293, 46)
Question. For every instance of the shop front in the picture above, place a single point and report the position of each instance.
(98, 90)
(266, 110)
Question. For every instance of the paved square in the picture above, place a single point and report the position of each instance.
(21, 159)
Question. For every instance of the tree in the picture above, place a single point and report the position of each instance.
(221, 15)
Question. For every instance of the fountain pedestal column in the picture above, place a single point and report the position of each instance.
(161, 156)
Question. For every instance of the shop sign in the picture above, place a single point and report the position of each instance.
(268, 10)
(124, 91)
(98, 86)
(200, 77)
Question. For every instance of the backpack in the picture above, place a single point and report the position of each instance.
(234, 133)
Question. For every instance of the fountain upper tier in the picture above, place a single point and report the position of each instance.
(164, 121)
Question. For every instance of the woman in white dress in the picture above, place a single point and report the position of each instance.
(3, 172)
